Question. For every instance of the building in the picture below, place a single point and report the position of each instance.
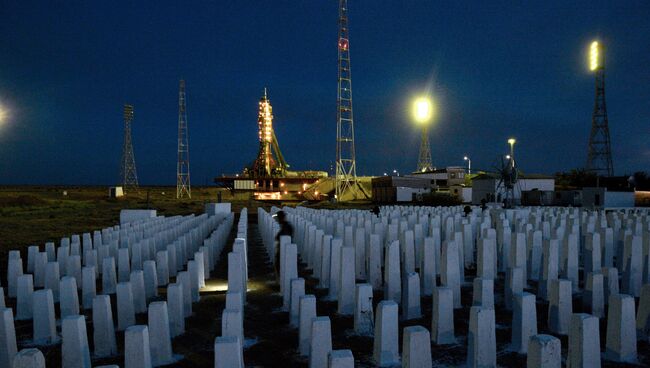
(443, 179)
(391, 189)
(489, 187)
(602, 197)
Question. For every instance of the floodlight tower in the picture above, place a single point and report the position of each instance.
(128, 174)
(183, 165)
(599, 159)
(346, 172)
(422, 112)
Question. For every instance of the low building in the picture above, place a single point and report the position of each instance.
(602, 197)
(490, 188)
(391, 189)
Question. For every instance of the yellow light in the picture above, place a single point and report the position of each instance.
(422, 110)
(594, 57)
(3, 114)
(512, 141)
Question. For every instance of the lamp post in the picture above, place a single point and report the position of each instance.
(469, 164)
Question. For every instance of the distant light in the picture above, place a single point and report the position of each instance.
(508, 157)
(594, 56)
(4, 114)
(422, 110)
(512, 141)
(465, 158)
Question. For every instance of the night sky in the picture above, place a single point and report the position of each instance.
(496, 69)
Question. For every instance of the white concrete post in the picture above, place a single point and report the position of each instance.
(392, 275)
(483, 293)
(88, 287)
(307, 313)
(524, 322)
(297, 290)
(227, 352)
(346, 281)
(321, 342)
(385, 346)
(560, 307)
(442, 319)
(28, 358)
(340, 359)
(159, 337)
(75, 352)
(103, 327)
(139, 294)
(175, 306)
(150, 279)
(481, 340)
(621, 331)
(8, 345)
(137, 351)
(416, 347)
(69, 298)
(544, 351)
(584, 342)
(363, 319)
(125, 309)
(44, 326)
(411, 297)
(25, 290)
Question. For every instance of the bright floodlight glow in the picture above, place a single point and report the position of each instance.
(3, 114)
(422, 110)
(512, 141)
(465, 158)
(594, 57)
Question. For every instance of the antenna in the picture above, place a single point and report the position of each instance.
(128, 174)
(346, 172)
(599, 159)
(183, 165)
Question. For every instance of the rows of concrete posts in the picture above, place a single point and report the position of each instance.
(117, 271)
(561, 257)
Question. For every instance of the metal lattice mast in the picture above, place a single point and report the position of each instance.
(346, 174)
(424, 158)
(183, 165)
(128, 174)
(599, 159)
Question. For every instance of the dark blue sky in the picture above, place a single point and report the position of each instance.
(497, 69)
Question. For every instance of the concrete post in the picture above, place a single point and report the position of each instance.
(137, 351)
(75, 352)
(44, 326)
(103, 327)
(416, 347)
(584, 342)
(385, 349)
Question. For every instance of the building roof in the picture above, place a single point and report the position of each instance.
(486, 176)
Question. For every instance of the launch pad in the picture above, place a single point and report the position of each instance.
(268, 177)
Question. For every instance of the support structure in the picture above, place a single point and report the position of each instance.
(269, 162)
(424, 158)
(599, 159)
(346, 175)
(128, 174)
(183, 165)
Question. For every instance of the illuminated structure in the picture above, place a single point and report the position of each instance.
(128, 174)
(422, 112)
(346, 172)
(599, 159)
(269, 177)
(183, 165)
(269, 162)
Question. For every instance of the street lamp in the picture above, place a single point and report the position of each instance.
(512, 142)
(469, 164)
